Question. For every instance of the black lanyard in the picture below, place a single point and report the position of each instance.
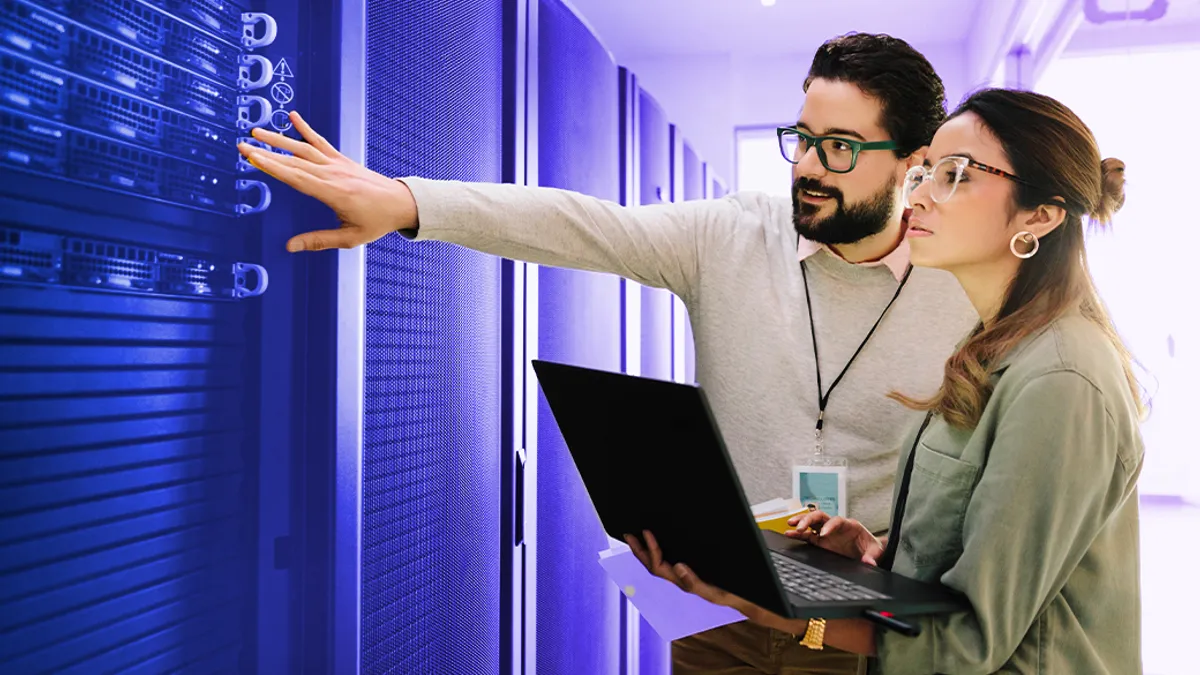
(823, 398)
(889, 554)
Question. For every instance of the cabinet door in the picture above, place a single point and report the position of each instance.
(578, 608)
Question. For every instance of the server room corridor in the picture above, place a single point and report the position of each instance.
(217, 456)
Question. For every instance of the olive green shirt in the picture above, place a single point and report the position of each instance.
(1033, 515)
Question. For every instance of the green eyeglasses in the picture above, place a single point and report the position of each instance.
(837, 154)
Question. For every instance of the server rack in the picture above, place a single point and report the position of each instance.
(717, 188)
(654, 167)
(131, 261)
(194, 477)
(426, 450)
(693, 173)
(580, 321)
(651, 172)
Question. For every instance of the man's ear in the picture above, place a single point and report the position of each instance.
(1042, 220)
(917, 158)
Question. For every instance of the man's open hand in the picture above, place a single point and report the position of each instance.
(368, 204)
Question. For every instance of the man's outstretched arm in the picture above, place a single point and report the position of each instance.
(658, 245)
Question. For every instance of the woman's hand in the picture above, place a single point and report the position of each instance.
(851, 635)
(368, 204)
(841, 535)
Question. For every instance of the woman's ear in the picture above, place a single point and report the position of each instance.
(1044, 219)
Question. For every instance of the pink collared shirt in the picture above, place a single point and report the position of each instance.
(896, 261)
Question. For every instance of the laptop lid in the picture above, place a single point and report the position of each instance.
(651, 457)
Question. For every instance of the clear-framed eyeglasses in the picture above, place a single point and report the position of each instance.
(945, 176)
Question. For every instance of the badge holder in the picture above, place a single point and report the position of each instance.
(821, 480)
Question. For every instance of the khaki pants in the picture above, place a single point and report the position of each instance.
(747, 649)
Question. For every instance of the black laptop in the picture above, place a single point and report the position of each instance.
(652, 458)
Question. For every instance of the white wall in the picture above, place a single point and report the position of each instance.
(694, 92)
(1144, 268)
(709, 96)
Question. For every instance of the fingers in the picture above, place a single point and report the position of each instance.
(807, 526)
(638, 551)
(659, 566)
(649, 555)
(283, 168)
(808, 520)
(806, 535)
(870, 560)
(656, 559)
(832, 525)
(314, 139)
(321, 240)
(297, 148)
(258, 156)
(875, 548)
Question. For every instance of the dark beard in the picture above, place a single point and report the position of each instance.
(847, 225)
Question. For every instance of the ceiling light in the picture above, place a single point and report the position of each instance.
(768, 3)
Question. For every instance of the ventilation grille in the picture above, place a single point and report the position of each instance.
(34, 30)
(431, 445)
(129, 396)
(28, 256)
(29, 86)
(153, 30)
(139, 72)
(94, 90)
(58, 150)
(220, 16)
(125, 516)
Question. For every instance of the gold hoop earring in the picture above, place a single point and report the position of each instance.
(1029, 240)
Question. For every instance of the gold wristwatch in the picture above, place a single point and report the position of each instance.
(814, 637)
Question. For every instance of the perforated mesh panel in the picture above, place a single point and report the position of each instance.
(431, 447)
(578, 611)
(125, 515)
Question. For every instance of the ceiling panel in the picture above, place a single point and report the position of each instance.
(646, 28)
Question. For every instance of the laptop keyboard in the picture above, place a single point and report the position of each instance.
(817, 586)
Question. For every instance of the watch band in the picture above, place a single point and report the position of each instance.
(814, 637)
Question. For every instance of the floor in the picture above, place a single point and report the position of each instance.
(1170, 544)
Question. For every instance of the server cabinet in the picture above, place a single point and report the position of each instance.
(198, 478)
(654, 159)
(656, 345)
(717, 188)
(430, 567)
(580, 321)
(131, 388)
(693, 173)
(693, 188)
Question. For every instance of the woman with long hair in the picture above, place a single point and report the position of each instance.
(1019, 488)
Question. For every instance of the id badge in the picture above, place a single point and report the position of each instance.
(822, 482)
